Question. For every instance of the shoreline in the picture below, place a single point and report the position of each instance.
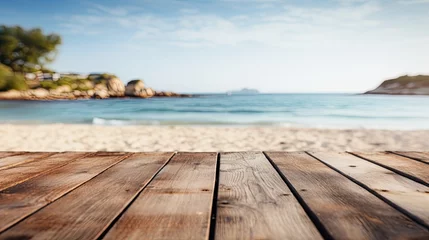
(112, 123)
(210, 125)
(13, 95)
(137, 138)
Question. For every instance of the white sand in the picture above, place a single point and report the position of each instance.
(63, 137)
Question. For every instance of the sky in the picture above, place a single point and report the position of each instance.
(221, 45)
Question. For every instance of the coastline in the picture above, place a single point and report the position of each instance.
(38, 95)
(82, 137)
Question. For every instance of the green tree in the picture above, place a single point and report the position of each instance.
(9, 80)
(25, 50)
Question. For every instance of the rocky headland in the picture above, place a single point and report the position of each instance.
(404, 85)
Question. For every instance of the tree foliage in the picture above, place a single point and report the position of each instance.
(9, 80)
(25, 50)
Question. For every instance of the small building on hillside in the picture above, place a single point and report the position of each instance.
(74, 75)
(48, 76)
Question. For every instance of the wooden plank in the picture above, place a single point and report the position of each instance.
(22, 172)
(346, 210)
(19, 201)
(421, 156)
(401, 191)
(7, 154)
(87, 211)
(255, 203)
(415, 170)
(175, 205)
(13, 160)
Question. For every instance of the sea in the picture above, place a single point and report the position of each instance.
(338, 111)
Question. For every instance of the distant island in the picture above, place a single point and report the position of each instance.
(244, 91)
(404, 85)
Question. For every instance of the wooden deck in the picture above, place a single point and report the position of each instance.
(246, 195)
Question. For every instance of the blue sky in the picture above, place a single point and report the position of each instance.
(214, 46)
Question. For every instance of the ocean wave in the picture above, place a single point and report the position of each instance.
(369, 116)
(124, 122)
(120, 122)
(171, 110)
(113, 122)
(291, 113)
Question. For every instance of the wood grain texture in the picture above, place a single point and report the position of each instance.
(22, 172)
(408, 167)
(13, 160)
(175, 205)
(421, 156)
(403, 192)
(19, 201)
(7, 154)
(347, 210)
(255, 203)
(85, 212)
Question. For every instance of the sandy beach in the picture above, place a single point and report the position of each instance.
(73, 137)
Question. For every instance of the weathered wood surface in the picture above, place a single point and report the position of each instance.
(19, 201)
(345, 209)
(11, 160)
(241, 195)
(87, 211)
(28, 170)
(255, 203)
(401, 191)
(7, 154)
(415, 170)
(420, 156)
(179, 197)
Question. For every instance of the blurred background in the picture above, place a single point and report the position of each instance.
(225, 75)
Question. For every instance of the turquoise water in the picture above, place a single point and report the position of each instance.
(294, 110)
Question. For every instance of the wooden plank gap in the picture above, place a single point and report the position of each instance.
(414, 178)
(18, 159)
(212, 222)
(254, 201)
(175, 205)
(23, 172)
(313, 217)
(85, 212)
(7, 221)
(4, 154)
(410, 155)
(347, 210)
(131, 201)
(384, 199)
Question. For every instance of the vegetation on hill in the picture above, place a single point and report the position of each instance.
(11, 80)
(81, 84)
(74, 84)
(404, 85)
(415, 81)
(100, 78)
(24, 76)
(27, 51)
(23, 51)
